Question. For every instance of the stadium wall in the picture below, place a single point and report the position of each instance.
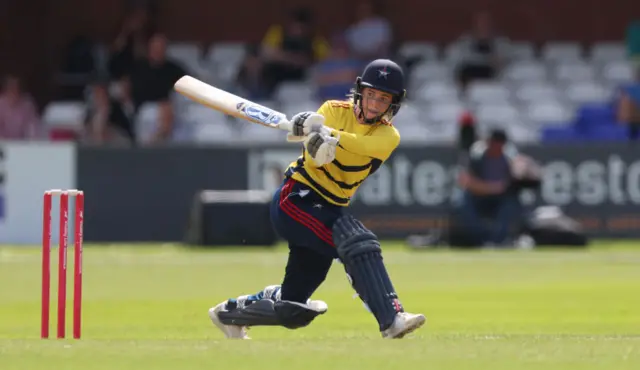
(145, 194)
(27, 170)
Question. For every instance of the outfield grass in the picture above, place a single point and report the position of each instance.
(146, 308)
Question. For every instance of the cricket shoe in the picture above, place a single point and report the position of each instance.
(403, 324)
(230, 331)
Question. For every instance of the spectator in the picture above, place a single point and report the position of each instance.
(106, 119)
(151, 80)
(19, 118)
(487, 191)
(629, 109)
(371, 36)
(467, 132)
(336, 75)
(288, 51)
(249, 79)
(481, 52)
(633, 44)
(130, 43)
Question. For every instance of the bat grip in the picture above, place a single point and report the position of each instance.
(285, 125)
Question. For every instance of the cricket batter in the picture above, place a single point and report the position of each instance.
(344, 143)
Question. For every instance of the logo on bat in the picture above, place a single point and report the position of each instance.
(259, 113)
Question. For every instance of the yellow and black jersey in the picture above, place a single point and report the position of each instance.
(361, 150)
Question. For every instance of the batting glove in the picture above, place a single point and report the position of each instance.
(322, 148)
(305, 123)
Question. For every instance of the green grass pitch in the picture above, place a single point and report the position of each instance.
(145, 307)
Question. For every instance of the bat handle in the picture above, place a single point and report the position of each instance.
(285, 125)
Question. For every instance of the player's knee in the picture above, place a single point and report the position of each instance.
(294, 315)
(352, 238)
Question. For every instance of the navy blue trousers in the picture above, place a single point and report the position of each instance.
(304, 219)
(504, 210)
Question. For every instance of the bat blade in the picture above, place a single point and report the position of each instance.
(230, 104)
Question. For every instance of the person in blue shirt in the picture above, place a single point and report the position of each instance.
(487, 191)
(334, 76)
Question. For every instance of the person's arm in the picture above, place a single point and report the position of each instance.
(469, 180)
(380, 144)
(477, 186)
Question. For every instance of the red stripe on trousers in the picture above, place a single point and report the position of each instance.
(302, 217)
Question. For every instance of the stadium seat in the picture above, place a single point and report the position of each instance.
(573, 71)
(431, 71)
(64, 114)
(587, 92)
(561, 51)
(225, 59)
(258, 133)
(214, 132)
(409, 114)
(444, 113)
(485, 91)
(424, 50)
(522, 132)
(497, 113)
(290, 108)
(442, 132)
(187, 54)
(226, 53)
(537, 91)
(452, 53)
(211, 126)
(548, 113)
(146, 121)
(608, 51)
(606, 132)
(412, 131)
(294, 92)
(559, 134)
(617, 72)
(437, 92)
(521, 51)
(521, 71)
(200, 113)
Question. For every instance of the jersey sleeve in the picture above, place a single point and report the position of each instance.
(325, 110)
(380, 144)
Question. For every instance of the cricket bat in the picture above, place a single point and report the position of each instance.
(230, 104)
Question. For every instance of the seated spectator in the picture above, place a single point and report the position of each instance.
(336, 75)
(628, 109)
(371, 36)
(288, 51)
(151, 80)
(106, 120)
(481, 52)
(487, 192)
(249, 79)
(19, 118)
(130, 43)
